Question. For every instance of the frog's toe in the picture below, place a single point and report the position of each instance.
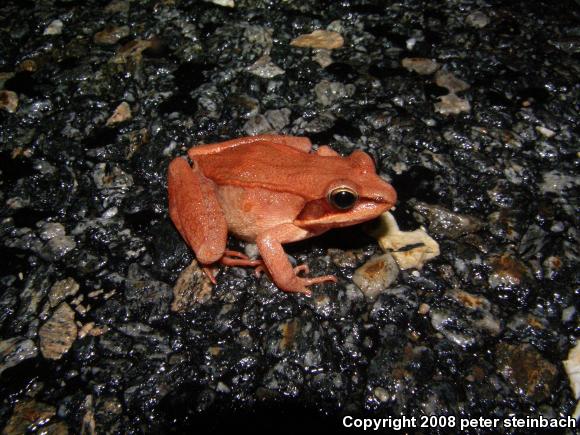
(303, 268)
(210, 273)
(260, 269)
(300, 287)
(235, 254)
(319, 279)
(235, 258)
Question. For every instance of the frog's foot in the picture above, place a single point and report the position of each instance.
(300, 284)
(235, 258)
(301, 268)
(262, 269)
(318, 280)
(259, 270)
(231, 258)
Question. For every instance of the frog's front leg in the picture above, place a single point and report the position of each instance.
(195, 210)
(284, 276)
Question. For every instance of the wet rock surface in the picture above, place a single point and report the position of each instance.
(58, 333)
(471, 112)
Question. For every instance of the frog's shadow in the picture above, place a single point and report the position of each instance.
(346, 239)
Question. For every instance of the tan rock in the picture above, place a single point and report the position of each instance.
(529, 373)
(265, 68)
(122, 113)
(111, 35)
(61, 290)
(8, 101)
(224, 3)
(507, 270)
(117, 6)
(451, 104)
(376, 275)
(322, 57)
(391, 238)
(447, 80)
(28, 414)
(289, 330)
(192, 287)
(572, 366)
(28, 65)
(132, 52)
(350, 258)
(319, 39)
(420, 65)
(5, 76)
(92, 330)
(477, 19)
(54, 28)
(444, 223)
(424, 309)
(58, 334)
(88, 422)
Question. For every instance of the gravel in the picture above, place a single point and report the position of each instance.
(470, 111)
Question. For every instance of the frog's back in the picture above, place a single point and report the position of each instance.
(276, 167)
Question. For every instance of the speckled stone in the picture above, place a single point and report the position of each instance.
(58, 333)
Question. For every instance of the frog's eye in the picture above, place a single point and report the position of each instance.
(342, 198)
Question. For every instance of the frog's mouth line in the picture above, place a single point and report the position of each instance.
(363, 211)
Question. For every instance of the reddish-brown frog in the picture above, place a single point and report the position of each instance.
(270, 190)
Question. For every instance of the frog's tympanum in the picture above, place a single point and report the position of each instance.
(270, 190)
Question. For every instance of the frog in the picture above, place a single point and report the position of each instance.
(270, 190)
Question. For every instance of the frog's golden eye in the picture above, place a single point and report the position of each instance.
(342, 198)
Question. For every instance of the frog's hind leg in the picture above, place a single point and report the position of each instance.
(195, 210)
